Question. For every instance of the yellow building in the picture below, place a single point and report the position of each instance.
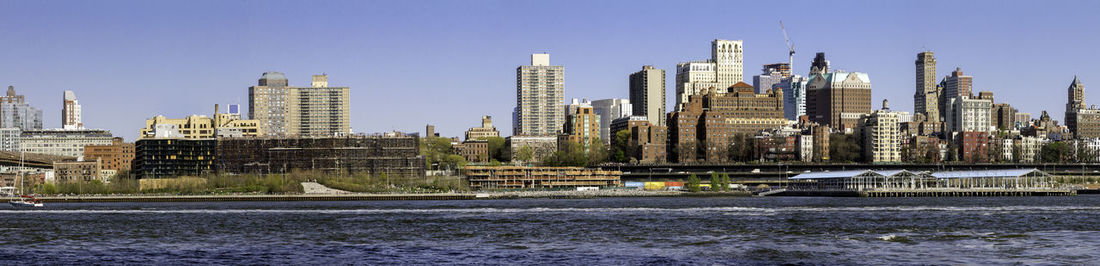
(201, 126)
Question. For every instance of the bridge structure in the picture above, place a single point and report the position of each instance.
(31, 160)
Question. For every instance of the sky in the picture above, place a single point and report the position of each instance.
(447, 63)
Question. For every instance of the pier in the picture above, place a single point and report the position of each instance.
(208, 198)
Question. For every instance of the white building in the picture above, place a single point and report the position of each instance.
(609, 110)
(882, 136)
(540, 89)
(63, 142)
(965, 114)
(9, 139)
(70, 111)
(806, 148)
(724, 69)
(766, 80)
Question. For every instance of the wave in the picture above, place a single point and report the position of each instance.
(740, 210)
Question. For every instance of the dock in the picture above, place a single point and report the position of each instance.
(210, 198)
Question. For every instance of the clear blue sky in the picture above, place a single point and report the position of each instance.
(410, 63)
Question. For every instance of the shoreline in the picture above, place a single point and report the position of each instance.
(384, 197)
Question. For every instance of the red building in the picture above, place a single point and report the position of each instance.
(974, 146)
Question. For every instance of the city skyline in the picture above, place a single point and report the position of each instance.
(178, 59)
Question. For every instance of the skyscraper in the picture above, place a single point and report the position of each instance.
(819, 65)
(882, 136)
(794, 96)
(724, 69)
(540, 90)
(958, 85)
(70, 111)
(647, 94)
(317, 111)
(838, 99)
(1083, 121)
(16, 113)
(926, 97)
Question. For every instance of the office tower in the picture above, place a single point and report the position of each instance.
(724, 69)
(1083, 121)
(819, 65)
(794, 96)
(70, 111)
(609, 110)
(838, 99)
(540, 90)
(647, 94)
(771, 76)
(926, 97)
(957, 85)
(882, 136)
(582, 125)
(16, 113)
(283, 110)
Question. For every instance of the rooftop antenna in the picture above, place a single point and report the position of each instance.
(790, 47)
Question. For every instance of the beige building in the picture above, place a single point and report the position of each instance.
(926, 98)
(63, 142)
(647, 94)
(283, 110)
(966, 114)
(582, 125)
(201, 126)
(487, 130)
(724, 69)
(81, 171)
(882, 136)
(540, 89)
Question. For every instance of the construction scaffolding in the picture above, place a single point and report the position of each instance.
(392, 155)
(518, 177)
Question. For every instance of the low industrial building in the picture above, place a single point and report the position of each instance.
(523, 177)
(173, 157)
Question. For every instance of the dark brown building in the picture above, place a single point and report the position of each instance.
(838, 99)
(392, 154)
(474, 150)
(647, 143)
(702, 130)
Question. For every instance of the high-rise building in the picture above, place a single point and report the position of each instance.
(1004, 116)
(283, 110)
(16, 113)
(70, 111)
(609, 110)
(926, 97)
(724, 69)
(882, 136)
(582, 124)
(540, 90)
(819, 65)
(647, 94)
(954, 86)
(487, 130)
(794, 96)
(784, 69)
(838, 99)
(768, 79)
(966, 114)
(1083, 121)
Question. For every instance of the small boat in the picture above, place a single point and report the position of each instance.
(26, 201)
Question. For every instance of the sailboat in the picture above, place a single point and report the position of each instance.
(24, 200)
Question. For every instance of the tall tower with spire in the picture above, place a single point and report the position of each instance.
(1083, 122)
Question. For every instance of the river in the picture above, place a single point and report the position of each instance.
(746, 230)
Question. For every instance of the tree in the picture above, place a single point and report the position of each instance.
(498, 149)
(621, 150)
(597, 152)
(725, 182)
(570, 153)
(715, 182)
(436, 150)
(1055, 152)
(525, 154)
(693, 183)
(844, 148)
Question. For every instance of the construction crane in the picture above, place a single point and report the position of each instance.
(790, 47)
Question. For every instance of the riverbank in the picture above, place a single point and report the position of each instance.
(382, 197)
